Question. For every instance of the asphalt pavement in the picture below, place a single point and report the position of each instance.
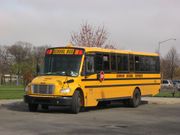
(148, 119)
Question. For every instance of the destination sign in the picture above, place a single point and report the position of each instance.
(59, 51)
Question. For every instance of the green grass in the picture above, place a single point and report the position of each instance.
(17, 92)
(167, 94)
(11, 92)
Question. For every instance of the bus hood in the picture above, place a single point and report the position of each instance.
(56, 80)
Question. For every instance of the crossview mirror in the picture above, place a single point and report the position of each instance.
(37, 69)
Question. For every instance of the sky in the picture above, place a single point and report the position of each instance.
(137, 25)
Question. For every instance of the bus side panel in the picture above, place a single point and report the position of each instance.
(150, 90)
(113, 87)
(90, 98)
(91, 93)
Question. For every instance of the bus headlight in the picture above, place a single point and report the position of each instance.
(67, 90)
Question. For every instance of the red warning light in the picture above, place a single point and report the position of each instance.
(80, 52)
(49, 51)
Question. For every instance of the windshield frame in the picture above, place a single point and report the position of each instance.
(65, 73)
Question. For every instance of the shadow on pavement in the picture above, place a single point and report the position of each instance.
(22, 107)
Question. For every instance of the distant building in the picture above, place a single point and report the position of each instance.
(10, 78)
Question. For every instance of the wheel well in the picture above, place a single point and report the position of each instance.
(138, 89)
(81, 92)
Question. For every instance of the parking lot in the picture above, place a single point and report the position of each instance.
(149, 119)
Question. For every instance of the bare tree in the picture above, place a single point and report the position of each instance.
(22, 55)
(110, 46)
(39, 53)
(5, 62)
(90, 36)
(21, 59)
(170, 64)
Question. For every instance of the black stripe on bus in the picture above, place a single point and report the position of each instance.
(108, 79)
(110, 99)
(120, 85)
(120, 98)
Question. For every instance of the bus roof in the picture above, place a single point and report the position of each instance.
(97, 49)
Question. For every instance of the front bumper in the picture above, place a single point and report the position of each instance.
(60, 101)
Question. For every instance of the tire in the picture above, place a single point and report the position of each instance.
(45, 107)
(76, 102)
(136, 100)
(33, 107)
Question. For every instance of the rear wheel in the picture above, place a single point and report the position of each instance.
(32, 107)
(136, 100)
(77, 102)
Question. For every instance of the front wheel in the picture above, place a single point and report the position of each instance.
(32, 107)
(76, 102)
(136, 99)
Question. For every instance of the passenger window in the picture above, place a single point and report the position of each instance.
(113, 62)
(89, 64)
(106, 63)
(102, 62)
(98, 62)
(122, 63)
(137, 63)
(131, 63)
(146, 64)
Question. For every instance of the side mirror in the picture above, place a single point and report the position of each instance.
(69, 81)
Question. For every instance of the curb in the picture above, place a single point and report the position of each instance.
(161, 100)
(9, 101)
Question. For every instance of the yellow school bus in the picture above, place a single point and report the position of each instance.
(82, 77)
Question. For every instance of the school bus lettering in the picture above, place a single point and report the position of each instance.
(130, 75)
(59, 51)
(120, 76)
(70, 51)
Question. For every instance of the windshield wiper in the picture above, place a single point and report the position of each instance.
(64, 73)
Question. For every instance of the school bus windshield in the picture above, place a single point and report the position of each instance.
(64, 65)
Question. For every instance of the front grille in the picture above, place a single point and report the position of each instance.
(42, 89)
